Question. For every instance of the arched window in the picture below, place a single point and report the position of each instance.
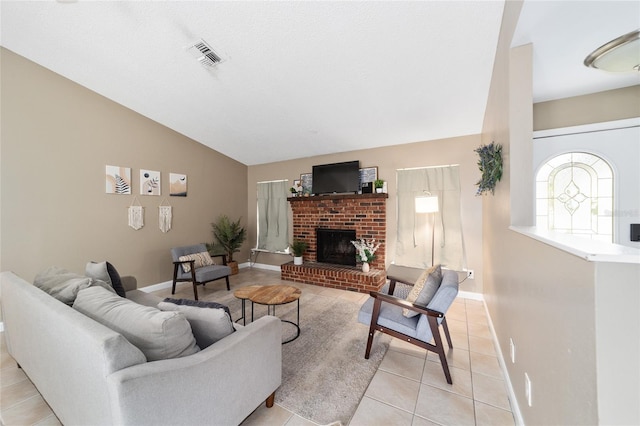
(574, 195)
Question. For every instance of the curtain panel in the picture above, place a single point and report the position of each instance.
(273, 229)
(413, 246)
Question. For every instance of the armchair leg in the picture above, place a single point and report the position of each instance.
(175, 278)
(227, 278)
(271, 399)
(173, 289)
(372, 327)
(446, 331)
(439, 349)
(195, 290)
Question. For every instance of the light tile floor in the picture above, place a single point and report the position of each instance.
(409, 387)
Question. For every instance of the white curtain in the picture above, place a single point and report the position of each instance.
(273, 229)
(413, 246)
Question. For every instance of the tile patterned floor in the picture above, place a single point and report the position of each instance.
(409, 387)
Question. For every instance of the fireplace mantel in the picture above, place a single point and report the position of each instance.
(314, 198)
(365, 213)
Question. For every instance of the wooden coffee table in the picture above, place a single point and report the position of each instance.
(243, 294)
(273, 295)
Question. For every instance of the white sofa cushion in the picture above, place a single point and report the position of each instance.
(208, 324)
(158, 334)
(65, 285)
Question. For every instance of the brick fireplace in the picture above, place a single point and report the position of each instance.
(364, 213)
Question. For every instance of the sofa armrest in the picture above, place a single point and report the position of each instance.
(129, 283)
(223, 383)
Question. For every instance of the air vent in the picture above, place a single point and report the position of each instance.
(204, 54)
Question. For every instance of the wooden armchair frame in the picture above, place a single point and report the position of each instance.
(432, 317)
(191, 263)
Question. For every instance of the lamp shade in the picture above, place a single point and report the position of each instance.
(427, 204)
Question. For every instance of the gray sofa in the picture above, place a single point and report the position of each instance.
(91, 375)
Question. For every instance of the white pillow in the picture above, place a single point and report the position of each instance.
(201, 259)
(65, 285)
(159, 335)
(208, 324)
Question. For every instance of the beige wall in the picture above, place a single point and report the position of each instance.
(551, 303)
(594, 108)
(56, 139)
(388, 160)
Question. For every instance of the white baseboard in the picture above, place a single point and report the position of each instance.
(156, 287)
(515, 408)
(471, 295)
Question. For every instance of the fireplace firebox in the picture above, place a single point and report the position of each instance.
(334, 246)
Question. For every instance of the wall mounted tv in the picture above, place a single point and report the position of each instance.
(336, 178)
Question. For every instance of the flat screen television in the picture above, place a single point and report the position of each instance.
(336, 178)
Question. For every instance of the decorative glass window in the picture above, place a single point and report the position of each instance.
(574, 195)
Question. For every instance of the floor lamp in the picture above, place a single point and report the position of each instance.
(429, 204)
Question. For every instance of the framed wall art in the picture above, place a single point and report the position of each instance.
(177, 185)
(118, 180)
(149, 182)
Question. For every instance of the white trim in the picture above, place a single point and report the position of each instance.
(156, 287)
(586, 128)
(275, 268)
(589, 250)
(515, 408)
(1, 327)
(471, 295)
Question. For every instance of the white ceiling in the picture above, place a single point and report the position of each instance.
(309, 78)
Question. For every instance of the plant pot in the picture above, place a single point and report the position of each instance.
(379, 190)
(234, 267)
(365, 267)
(297, 260)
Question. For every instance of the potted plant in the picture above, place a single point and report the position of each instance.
(378, 184)
(230, 236)
(298, 248)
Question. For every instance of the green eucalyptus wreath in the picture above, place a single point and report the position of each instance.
(490, 165)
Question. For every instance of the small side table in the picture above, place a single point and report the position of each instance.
(243, 294)
(272, 295)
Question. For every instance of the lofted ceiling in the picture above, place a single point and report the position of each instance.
(299, 79)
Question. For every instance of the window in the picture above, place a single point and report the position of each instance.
(413, 246)
(273, 227)
(574, 195)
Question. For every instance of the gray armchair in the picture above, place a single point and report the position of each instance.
(197, 275)
(383, 312)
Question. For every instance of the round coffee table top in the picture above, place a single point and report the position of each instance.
(274, 294)
(245, 292)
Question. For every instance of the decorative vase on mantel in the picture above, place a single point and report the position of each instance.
(365, 266)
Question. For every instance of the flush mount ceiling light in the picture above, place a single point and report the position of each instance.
(204, 53)
(619, 55)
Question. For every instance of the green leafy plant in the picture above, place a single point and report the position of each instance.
(229, 235)
(490, 165)
(298, 247)
(378, 183)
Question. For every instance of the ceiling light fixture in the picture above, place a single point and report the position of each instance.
(619, 55)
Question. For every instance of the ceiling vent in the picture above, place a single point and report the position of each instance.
(204, 54)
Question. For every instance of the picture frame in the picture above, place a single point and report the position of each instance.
(118, 180)
(306, 180)
(149, 182)
(177, 185)
(368, 174)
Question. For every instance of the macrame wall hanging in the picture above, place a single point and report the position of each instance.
(165, 216)
(136, 215)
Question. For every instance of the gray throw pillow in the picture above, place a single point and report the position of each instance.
(208, 324)
(159, 335)
(63, 284)
(424, 289)
(106, 272)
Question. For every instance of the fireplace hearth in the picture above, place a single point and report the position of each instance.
(334, 246)
(363, 216)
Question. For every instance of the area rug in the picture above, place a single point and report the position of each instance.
(324, 372)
